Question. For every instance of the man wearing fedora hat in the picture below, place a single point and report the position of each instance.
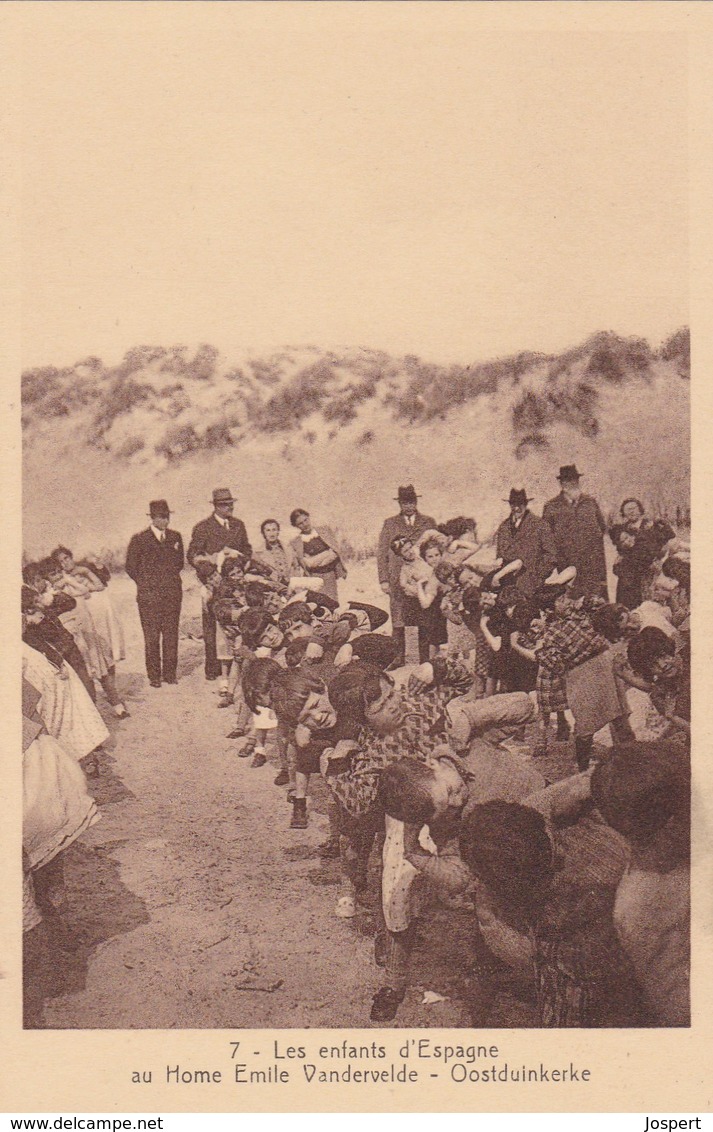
(154, 561)
(527, 537)
(219, 532)
(409, 523)
(578, 527)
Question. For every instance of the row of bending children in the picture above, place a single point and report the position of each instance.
(421, 770)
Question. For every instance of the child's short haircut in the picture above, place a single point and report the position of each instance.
(638, 503)
(255, 594)
(32, 574)
(506, 846)
(259, 674)
(353, 689)
(646, 648)
(295, 612)
(607, 621)
(229, 564)
(59, 551)
(290, 694)
(524, 614)
(205, 570)
(456, 528)
(48, 567)
(252, 624)
(641, 787)
(296, 514)
(406, 791)
(430, 544)
(444, 571)
(266, 523)
(295, 652)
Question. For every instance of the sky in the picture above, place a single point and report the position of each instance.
(453, 181)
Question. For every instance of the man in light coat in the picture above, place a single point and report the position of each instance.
(578, 527)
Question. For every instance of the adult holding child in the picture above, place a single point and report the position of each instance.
(220, 534)
(408, 524)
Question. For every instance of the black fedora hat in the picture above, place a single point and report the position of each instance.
(159, 508)
(407, 494)
(518, 497)
(569, 473)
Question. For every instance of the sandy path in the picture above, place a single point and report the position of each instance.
(193, 884)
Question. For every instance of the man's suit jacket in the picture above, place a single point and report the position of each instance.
(389, 564)
(533, 543)
(156, 567)
(210, 537)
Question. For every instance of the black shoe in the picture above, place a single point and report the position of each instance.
(386, 1004)
(282, 778)
(258, 759)
(238, 733)
(155, 683)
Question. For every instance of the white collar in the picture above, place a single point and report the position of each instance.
(160, 535)
(223, 522)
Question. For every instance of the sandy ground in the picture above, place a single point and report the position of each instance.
(193, 904)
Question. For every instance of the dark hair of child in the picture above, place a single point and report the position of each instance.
(259, 674)
(290, 694)
(646, 648)
(406, 791)
(353, 689)
(506, 846)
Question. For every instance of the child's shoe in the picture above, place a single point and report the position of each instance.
(281, 778)
(299, 813)
(345, 907)
(259, 758)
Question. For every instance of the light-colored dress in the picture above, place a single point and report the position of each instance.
(64, 707)
(56, 806)
(108, 629)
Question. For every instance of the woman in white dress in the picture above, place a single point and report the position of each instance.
(56, 806)
(64, 706)
(105, 643)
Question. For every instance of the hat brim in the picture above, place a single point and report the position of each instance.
(528, 499)
(159, 514)
(409, 500)
(570, 479)
(214, 501)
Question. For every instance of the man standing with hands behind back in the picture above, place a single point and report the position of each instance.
(220, 531)
(409, 523)
(154, 561)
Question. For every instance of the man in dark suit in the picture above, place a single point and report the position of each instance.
(219, 532)
(529, 538)
(154, 561)
(409, 523)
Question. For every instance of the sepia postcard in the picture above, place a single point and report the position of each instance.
(355, 429)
